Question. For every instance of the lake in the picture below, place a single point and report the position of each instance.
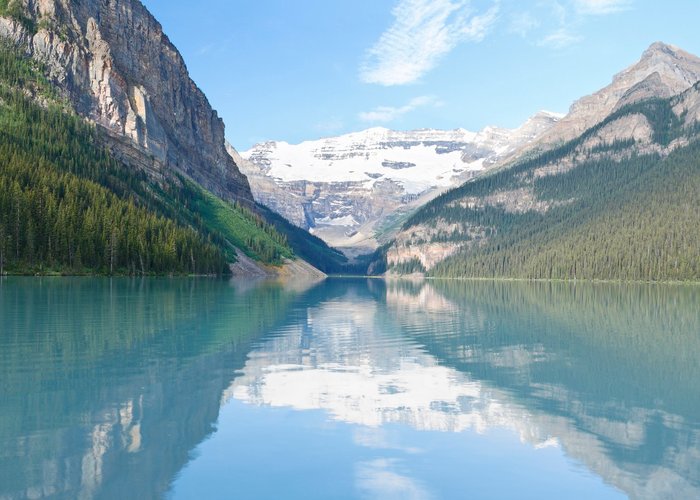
(206, 389)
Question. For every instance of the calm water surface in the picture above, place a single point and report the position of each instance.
(348, 389)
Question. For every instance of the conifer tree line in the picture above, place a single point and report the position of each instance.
(44, 145)
(58, 221)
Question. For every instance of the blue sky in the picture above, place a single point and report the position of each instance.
(304, 69)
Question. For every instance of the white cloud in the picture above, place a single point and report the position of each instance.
(602, 7)
(379, 479)
(572, 15)
(560, 39)
(559, 12)
(423, 32)
(523, 23)
(386, 114)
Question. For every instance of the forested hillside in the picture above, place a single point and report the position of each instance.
(615, 209)
(310, 247)
(66, 205)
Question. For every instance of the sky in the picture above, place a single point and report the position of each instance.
(305, 69)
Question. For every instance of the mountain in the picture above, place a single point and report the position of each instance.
(113, 159)
(663, 71)
(347, 189)
(619, 201)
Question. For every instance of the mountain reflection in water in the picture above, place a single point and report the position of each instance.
(116, 386)
(606, 372)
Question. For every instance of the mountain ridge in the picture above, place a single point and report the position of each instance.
(109, 64)
(550, 215)
(675, 69)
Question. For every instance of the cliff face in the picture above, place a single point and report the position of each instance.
(111, 59)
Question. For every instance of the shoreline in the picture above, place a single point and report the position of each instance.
(523, 280)
(413, 278)
(99, 275)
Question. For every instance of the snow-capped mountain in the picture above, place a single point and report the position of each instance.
(345, 189)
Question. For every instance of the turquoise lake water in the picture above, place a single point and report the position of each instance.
(206, 389)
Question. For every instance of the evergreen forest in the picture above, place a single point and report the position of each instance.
(617, 214)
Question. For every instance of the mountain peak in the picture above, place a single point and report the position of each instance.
(657, 48)
(672, 68)
(661, 47)
(546, 114)
(119, 70)
(663, 54)
(663, 71)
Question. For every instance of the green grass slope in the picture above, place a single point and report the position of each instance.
(242, 228)
(309, 247)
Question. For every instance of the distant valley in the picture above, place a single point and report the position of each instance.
(350, 190)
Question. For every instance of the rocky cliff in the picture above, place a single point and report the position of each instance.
(112, 61)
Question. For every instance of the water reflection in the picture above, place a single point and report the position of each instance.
(345, 358)
(116, 387)
(107, 385)
(606, 372)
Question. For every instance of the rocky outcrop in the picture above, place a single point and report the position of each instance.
(112, 61)
(428, 254)
(296, 272)
(634, 127)
(687, 106)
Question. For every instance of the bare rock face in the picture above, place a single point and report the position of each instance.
(290, 203)
(688, 105)
(634, 127)
(663, 71)
(428, 254)
(111, 59)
